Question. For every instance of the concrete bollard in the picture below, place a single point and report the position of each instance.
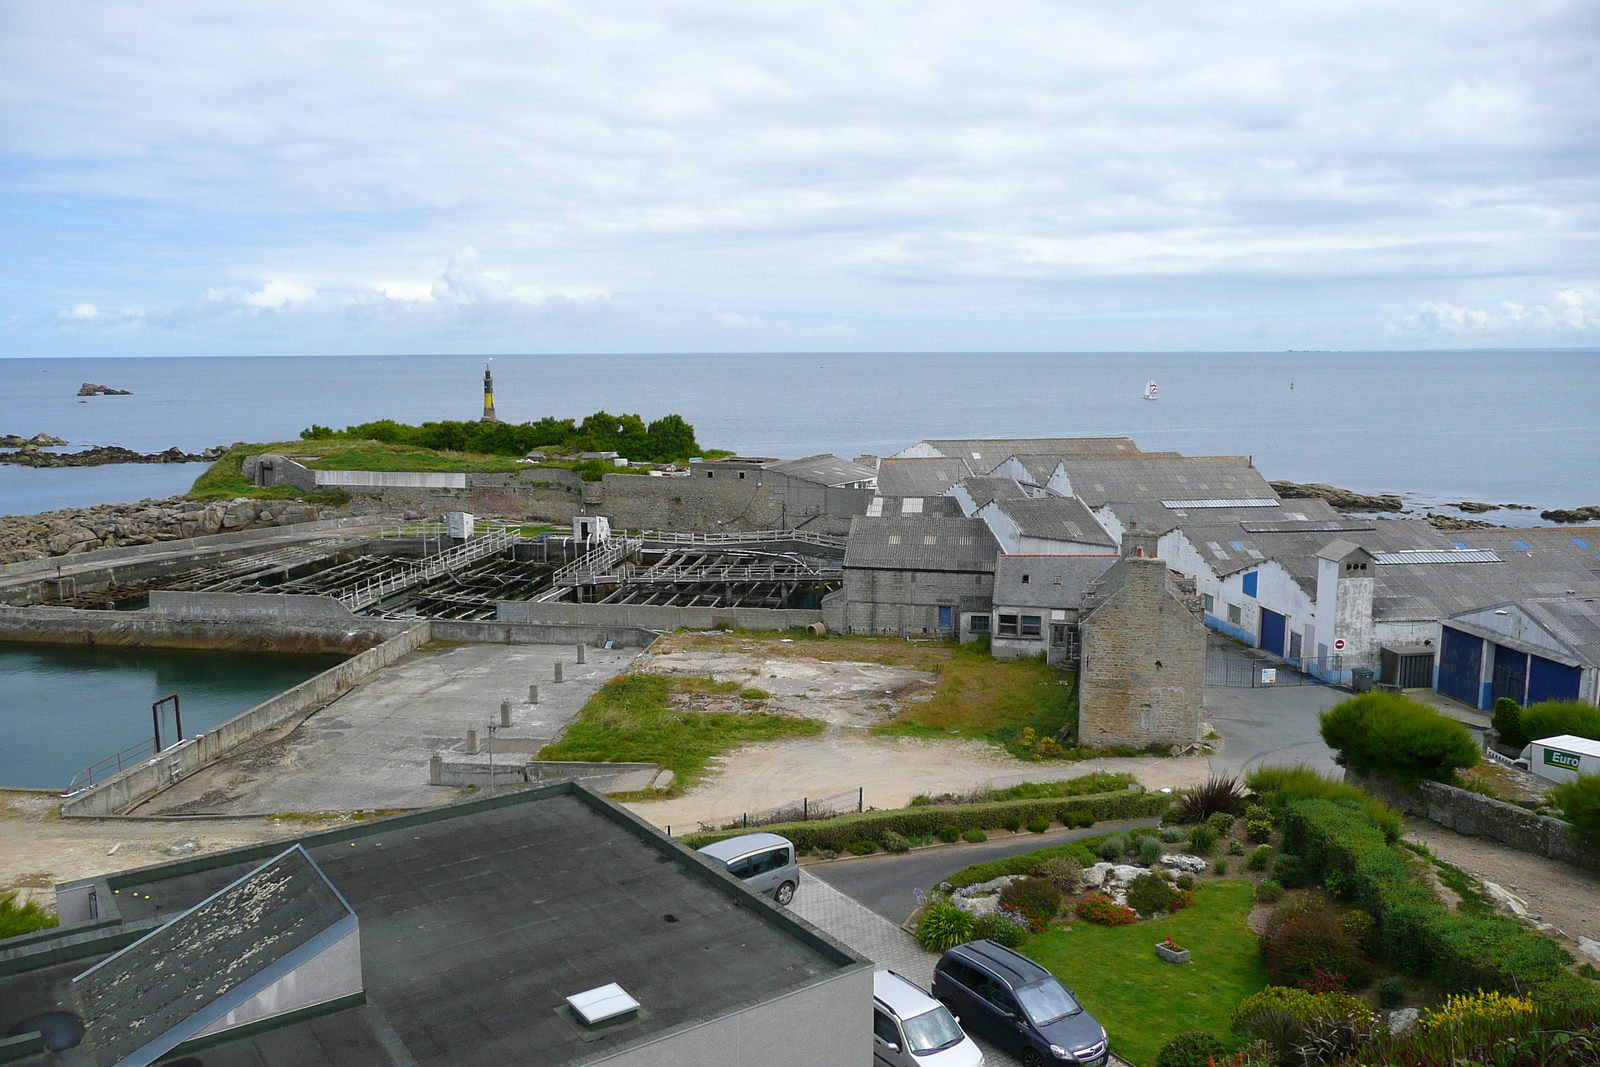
(505, 713)
(583, 653)
(472, 740)
(436, 770)
(533, 694)
(558, 670)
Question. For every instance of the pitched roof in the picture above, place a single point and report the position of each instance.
(1052, 581)
(825, 469)
(1157, 518)
(987, 453)
(1055, 518)
(920, 477)
(1232, 547)
(1105, 479)
(984, 488)
(921, 543)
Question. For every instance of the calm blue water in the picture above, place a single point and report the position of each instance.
(1496, 426)
(65, 706)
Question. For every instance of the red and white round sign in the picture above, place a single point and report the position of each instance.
(1338, 644)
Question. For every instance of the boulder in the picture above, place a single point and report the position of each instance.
(1403, 1019)
(1184, 864)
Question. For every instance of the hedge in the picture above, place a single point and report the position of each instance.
(1460, 952)
(838, 833)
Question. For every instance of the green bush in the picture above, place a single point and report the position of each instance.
(1222, 822)
(1075, 818)
(944, 926)
(1386, 733)
(893, 842)
(1150, 895)
(975, 837)
(1149, 851)
(1184, 881)
(1035, 899)
(1257, 812)
(1269, 892)
(1281, 785)
(1314, 938)
(1220, 868)
(1507, 722)
(862, 848)
(1173, 834)
(1192, 1048)
(1235, 848)
(1038, 824)
(1079, 852)
(1014, 823)
(1579, 801)
(1113, 848)
(1556, 717)
(949, 834)
(1063, 872)
(1202, 839)
(838, 832)
(1001, 928)
(1391, 991)
(18, 919)
(1259, 858)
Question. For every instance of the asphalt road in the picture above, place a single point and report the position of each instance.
(885, 883)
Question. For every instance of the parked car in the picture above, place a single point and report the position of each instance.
(911, 1029)
(765, 862)
(1018, 1005)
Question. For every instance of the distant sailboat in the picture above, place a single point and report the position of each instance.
(1150, 389)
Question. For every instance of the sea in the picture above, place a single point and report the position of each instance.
(1502, 427)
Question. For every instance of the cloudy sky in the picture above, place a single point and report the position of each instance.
(184, 176)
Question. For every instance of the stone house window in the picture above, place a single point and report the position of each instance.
(1024, 579)
(1031, 626)
(1008, 626)
(979, 624)
(1235, 615)
(1210, 603)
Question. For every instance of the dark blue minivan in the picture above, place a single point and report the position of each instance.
(1018, 1005)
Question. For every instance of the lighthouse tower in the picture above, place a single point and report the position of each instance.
(488, 396)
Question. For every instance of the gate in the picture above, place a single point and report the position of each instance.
(1460, 666)
(1242, 672)
(1549, 680)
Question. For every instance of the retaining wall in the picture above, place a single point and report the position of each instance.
(535, 772)
(654, 617)
(1474, 814)
(119, 792)
(144, 629)
(496, 632)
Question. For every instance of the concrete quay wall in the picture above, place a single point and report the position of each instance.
(654, 617)
(144, 629)
(135, 784)
(605, 777)
(1476, 815)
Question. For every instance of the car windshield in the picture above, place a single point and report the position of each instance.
(932, 1031)
(1047, 1001)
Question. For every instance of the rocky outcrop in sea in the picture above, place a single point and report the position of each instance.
(91, 389)
(70, 531)
(1588, 514)
(33, 455)
(1339, 499)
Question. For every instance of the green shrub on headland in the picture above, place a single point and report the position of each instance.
(1556, 717)
(1579, 801)
(667, 439)
(1395, 735)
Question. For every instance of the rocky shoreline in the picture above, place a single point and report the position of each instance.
(1339, 499)
(70, 531)
(32, 455)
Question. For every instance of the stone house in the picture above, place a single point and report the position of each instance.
(913, 574)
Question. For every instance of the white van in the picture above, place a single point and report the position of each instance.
(764, 862)
(911, 1029)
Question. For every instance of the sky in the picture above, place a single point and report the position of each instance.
(184, 177)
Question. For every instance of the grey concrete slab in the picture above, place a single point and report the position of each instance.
(370, 748)
(1261, 727)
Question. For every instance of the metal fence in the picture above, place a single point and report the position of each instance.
(1244, 672)
(803, 810)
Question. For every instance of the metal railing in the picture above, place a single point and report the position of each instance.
(367, 593)
(805, 809)
(768, 572)
(598, 564)
(1248, 672)
(112, 765)
(744, 538)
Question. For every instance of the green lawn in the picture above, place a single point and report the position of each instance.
(631, 719)
(1143, 1001)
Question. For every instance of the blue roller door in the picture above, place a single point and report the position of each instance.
(1510, 674)
(1272, 632)
(1548, 680)
(1460, 665)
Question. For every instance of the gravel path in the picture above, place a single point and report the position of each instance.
(1565, 897)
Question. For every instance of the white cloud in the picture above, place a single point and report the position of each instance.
(1567, 313)
(82, 311)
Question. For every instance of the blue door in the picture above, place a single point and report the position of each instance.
(1510, 675)
(1549, 680)
(944, 618)
(1272, 632)
(1460, 665)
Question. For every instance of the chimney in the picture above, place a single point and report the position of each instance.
(1137, 543)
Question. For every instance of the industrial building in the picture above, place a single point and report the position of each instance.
(548, 926)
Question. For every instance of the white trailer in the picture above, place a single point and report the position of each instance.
(1563, 758)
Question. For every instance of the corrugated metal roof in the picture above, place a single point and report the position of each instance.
(1052, 581)
(1151, 516)
(920, 477)
(826, 469)
(984, 488)
(1055, 518)
(921, 542)
(987, 453)
(1421, 556)
(1101, 480)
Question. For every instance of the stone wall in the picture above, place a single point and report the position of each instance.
(651, 617)
(1142, 670)
(902, 602)
(142, 629)
(1476, 815)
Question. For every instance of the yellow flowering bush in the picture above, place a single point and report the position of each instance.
(1476, 1010)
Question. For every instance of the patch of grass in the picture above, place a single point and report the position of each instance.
(631, 719)
(376, 456)
(1099, 782)
(1143, 1001)
(702, 685)
(996, 700)
(1083, 850)
(18, 919)
(797, 644)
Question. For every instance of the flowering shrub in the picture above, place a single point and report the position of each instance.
(1476, 1011)
(944, 926)
(1321, 981)
(1103, 911)
(1002, 927)
(1035, 900)
(1041, 746)
(1182, 898)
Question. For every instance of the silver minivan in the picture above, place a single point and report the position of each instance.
(764, 862)
(911, 1029)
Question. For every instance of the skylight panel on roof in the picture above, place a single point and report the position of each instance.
(1175, 504)
(1425, 555)
(1216, 550)
(1237, 546)
(1521, 544)
(1459, 544)
(1580, 542)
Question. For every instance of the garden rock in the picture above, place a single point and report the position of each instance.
(984, 889)
(1403, 1019)
(1185, 864)
(1589, 947)
(978, 907)
(1506, 901)
(1112, 879)
(983, 898)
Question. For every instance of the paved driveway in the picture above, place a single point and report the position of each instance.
(1270, 726)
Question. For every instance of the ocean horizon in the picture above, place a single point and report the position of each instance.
(1503, 427)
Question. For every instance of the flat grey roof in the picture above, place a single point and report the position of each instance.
(987, 453)
(825, 469)
(1106, 479)
(1055, 518)
(478, 921)
(1154, 517)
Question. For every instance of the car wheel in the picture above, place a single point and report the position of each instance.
(785, 893)
(1032, 1057)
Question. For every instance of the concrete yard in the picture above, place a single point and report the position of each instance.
(370, 747)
